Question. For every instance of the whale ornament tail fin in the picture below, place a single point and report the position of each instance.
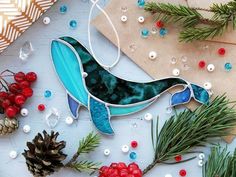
(194, 91)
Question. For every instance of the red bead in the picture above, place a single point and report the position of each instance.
(31, 76)
(20, 99)
(19, 77)
(178, 158)
(182, 173)
(41, 107)
(202, 64)
(221, 51)
(134, 144)
(11, 112)
(159, 24)
(27, 92)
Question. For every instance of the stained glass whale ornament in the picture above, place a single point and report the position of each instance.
(90, 85)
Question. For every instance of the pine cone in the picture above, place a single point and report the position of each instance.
(45, 155)
(8, 126)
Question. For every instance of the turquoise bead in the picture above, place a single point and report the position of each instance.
(228, 66)
(73, 24)
(47, 94)
(133, 155)
(141, 3)
(163, 32)
(145, 32)
(63, 9)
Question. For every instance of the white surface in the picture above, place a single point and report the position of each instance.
(41, 35)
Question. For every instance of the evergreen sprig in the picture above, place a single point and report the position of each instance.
(189, 129)
(85, 166)
(195, 26)
(220, 163)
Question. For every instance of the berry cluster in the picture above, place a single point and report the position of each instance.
(120, 170)
(15, 94)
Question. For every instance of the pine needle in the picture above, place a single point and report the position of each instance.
(85, 166)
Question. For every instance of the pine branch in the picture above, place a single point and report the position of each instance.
(190, 129)
(85, 166)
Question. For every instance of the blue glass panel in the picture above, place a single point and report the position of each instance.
(181, 97)
(74, 106)
(200, 94)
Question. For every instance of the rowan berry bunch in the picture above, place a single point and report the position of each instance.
(14, 95)
(120, 170)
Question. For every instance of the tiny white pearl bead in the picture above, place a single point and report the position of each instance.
(201, 156)
(13, 154)
(24, 112)
(107, 152)
(124, 18)
(211, 92)
(141, 19)
(200, 163)
(46, 20)
(69, 120)
(26, 129)
(176, 72)
(85, 74)
(168, 175)
(207, 85)
(148, 116)
(210, 67)
(125, 148)
(152, 55)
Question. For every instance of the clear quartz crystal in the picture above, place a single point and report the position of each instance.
(26, 50)
(52, 118)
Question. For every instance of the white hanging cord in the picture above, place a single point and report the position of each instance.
(113, 27)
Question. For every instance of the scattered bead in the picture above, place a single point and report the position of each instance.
(169, 110)
(13, 154)
(148, 116)
(124, 8)
(182, 173)
(133, 155)
(159, 24)
(47, 94)
(184, 59)
(124, 18)
(210, 67)
(107, 152)
(178, 158)
(200, 163)
(141, 3)
(201, 156)
(85, 74)
(134, 125)
(207, 85)
(228, 67)
(26, 129)
(132, 47)
(144, 33)
(73, 24)
(168, 175)
(186, 67)
(24, 112)
(202, 64)
(211, 92)
(134, 144)
(63, 9)
(176, 72)
(173, 60)
(69, 120)
(125, 148)
(152, 55)
(163, 32)
(41, 107)
(154, 30)
(141, 19)
(46, 20)
(221, 51)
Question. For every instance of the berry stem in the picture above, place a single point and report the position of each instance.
(7, 70)
(151, 166)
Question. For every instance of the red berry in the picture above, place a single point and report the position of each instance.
(202, 64)
(178, 158)
(19, 77)
(20, 99)
(124, 173)
(14, 88)
(132, 167)
(11, 112)
(121, 165)
(11, 97)
(31, 76)
(221, 51)
(18, 108)
(41, 107)
(182, 173)
(3, 95)
(137, 173)
(24, 84)
(114, 165)
(159, 24)
(134, 144)
(103, 170)
(6, 103)
(27, 92)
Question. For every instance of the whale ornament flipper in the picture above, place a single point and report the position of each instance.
(181, 97)
(100, 115)
(200, 94)
(74, 106)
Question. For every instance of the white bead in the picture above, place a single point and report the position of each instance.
(200, 163)
(13, 154)
(85, 74)
(107, 152)
(24, 112)
(26, 129)
(207, 85)
(201, 156)
(125, 148)
(211, 92)
(46, 20)
(141, 19)
(210, 67)
(176, 72)
(124, 18)
(148, 116)
(152, 55)
(69, 120)
(168, 175)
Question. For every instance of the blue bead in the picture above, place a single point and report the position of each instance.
(228, 66)
(141, 3)
(63, 9)
(47, 94)
(163, 32)
(145, 32)
(73, 24)
(133, 155)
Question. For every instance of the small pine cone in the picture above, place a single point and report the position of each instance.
(45, 155)
(8, 126)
